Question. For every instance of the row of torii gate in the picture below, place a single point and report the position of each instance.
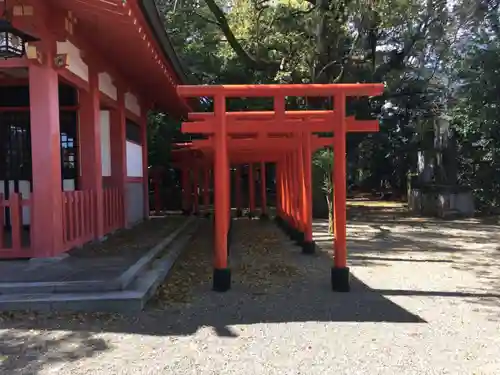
(286, 138)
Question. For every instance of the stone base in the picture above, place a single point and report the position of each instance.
(340, 279)
(250, 215)
(222, 279)
(308, 247)
(442, 201)
(239, 213)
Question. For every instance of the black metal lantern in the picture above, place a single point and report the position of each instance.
(12, 40)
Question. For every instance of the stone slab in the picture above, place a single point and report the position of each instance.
(65, 270)
(142, 287)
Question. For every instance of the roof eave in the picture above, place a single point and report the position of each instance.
(152, 17)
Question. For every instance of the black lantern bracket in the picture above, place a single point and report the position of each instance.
(12, 40)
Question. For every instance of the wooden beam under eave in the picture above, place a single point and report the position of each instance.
(14, 63)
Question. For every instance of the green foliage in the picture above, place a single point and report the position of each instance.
(323, 162)
(477, 118)
(435, 57)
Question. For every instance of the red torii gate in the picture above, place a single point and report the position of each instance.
(293, 163)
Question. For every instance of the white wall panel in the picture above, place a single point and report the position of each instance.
(132, 104)
(134, 160)
(75, 64)
(107, 87)
(105, 143)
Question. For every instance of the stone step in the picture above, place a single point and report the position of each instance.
(132, 299)
(119, 283)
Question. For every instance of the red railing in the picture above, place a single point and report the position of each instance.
(78, 217)
(113, 209)
(14, 241)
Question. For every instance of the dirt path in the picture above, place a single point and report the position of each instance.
(423, 302)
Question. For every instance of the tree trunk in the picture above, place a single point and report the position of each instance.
(329, 203)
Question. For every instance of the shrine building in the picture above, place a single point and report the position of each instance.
(77, 79)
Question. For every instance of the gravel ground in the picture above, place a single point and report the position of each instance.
(423, 302)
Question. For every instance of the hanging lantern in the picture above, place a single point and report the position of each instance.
(12, 40)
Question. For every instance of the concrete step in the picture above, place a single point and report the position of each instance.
(105, 285)
(140, 285)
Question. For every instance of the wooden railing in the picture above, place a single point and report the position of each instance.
(79, 209)
(15, 240)
(113, 209)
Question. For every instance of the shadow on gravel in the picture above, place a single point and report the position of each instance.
(24, 352)
(242, 307)
(307, 298)
(466, 245)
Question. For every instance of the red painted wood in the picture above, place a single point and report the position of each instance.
(145, 181)
(16, 220)
(307, 183)
(286, 126)
(237, 178)
(119, 152)
(263, 188)
(100, 32)
(90, 145)
(222, 188)
(251, 188)
(264, 115)
(325, 90)
(340, 185)
(78, 212)
(46, 162)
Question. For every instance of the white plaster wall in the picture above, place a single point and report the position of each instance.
(75, 64)
(105, 143)
(69, 185)
(107, 87)
(132, 104)
(134, 160)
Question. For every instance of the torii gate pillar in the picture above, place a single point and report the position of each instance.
(340, 271)
(222, 274)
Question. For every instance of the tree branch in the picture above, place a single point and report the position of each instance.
(246, 58)
(397, 57)
(207, 19)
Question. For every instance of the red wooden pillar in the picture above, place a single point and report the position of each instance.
(295, 191)
(340, 271)
(222, 274)
(263, 190)
(196, 190)
(47, 222)
(186, 190)
(90, 145)
(144, 142)
(251, 191)
(237, 187)
(308, 246)
(280, 186)
(288, 207)
(300, 191)
(277, 188)
(206, 188)
(119, 153)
